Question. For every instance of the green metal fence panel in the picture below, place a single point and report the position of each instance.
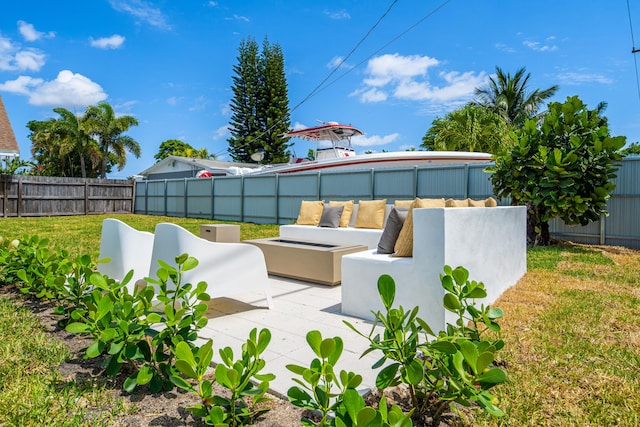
(276, 198)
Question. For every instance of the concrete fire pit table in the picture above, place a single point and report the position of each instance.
(309, 260)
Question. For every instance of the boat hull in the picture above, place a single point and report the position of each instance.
(381, 161)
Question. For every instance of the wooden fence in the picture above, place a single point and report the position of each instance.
(22, 196)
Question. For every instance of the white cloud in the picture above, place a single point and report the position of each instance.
(539, 47)
(12, 58)
(221, 132)
(173, 100)
(374, 140)
(576, 78)
(338, 14)
(143, 11)
(199, 105)
(336, 61)
(407, 78)
(29, 60)
(505, 48)
(22, 85)
(212, 4)
(67, 90)
(30, 34)
(113, 42)
(238, 18)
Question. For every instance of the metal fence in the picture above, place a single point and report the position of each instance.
(22, 196)
(275, 199)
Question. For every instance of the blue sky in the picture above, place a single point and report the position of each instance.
(169, 63)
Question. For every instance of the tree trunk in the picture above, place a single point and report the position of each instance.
(82, 166)
(537, 230)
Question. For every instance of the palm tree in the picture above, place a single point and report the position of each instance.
(72, 133)
(470, 128)
(102, 122)
(507, 96)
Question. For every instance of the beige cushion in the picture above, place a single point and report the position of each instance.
(346, 213)
(476, 203)
(431, 203)
(451, 203)
(489, 202)
(371, 213)
(404, 244)
(310, 212)
(403, 203)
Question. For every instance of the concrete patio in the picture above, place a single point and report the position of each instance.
(298, 307)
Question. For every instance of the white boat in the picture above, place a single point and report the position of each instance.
(340, 155)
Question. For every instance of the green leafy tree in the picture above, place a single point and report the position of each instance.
(170, 147)
(61, 146)
(561, 167)
(633, 148)
(102, 123)
(260, 112)
(470, 128)
(508, 96)
(175, 147)
(15, 166)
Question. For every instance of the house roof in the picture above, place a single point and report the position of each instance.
(8, 143)
(184, 163)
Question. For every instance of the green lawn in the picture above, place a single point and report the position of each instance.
(571, 328)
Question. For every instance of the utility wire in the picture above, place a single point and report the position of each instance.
(633, 49)
(337, 67)
(321, 86)
(420, 21)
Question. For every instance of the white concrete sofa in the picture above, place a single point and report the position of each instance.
(228, 268)
(489, 242)
(343, 235)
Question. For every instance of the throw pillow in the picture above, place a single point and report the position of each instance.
(346, 213)
(476, 203)
(391, 231)
(490, 202)
(331, 216)
(403, 203)
(451, 203)
(431, 203)
(310, 212)
(404, 244)
(371, 213)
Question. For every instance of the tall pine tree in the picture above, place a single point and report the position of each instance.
(260, 104)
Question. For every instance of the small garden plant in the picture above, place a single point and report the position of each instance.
(455, 365)
(136, 330)
(235, 376)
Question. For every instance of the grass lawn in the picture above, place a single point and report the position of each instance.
(571, 327)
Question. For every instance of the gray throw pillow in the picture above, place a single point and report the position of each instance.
(331, 216)
(392, 230)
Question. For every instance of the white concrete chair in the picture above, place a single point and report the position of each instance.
(228, 268)
(489, 242)
(128, 248)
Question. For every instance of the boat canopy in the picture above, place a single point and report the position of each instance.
(331, 131)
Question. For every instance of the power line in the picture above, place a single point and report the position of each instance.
(321, 86)
(420, 21)
(337, 67)
(633, 49)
